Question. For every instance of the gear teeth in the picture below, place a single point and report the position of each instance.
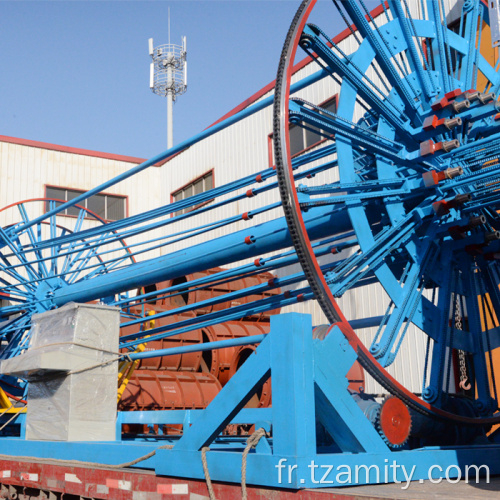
(383, 421)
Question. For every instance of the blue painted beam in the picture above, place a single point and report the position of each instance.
(268, 237)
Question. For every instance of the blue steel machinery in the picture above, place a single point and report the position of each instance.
(403, 189)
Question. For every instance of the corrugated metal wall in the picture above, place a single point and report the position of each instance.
(26, 170)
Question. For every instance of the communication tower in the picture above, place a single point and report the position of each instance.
(168, 76)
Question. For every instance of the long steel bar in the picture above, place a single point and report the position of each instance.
(268, 237)
(175, 150)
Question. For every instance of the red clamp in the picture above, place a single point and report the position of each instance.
(287, 294)
(300, 297)
(257, 262)
(457, 232)
(449, 100)
(432, 177)
(441, 208)
(271, 283)
(432, 123)
(474, 250)
(334, 250)
(445, 101)
(258, 178)
(453, 94)
(430, 147)
(246, 216)
(250, 193)
(249, 240)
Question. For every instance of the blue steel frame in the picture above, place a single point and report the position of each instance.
(307, 388)
(365, 210)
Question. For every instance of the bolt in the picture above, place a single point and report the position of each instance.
(460, 105)
(472, 96)
(305, 41)
(449, 146)
(484, 98)
(450, 123)
(460, 199)
(452, 172)
(476, 221)
(493, 236)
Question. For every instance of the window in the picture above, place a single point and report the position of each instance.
(302, 138)
(199, 185)
(106, 206)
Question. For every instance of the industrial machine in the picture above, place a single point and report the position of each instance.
(399, 194)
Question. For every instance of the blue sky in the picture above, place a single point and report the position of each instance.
(77, 73)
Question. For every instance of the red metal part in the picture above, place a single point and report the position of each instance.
(441, 207)
(262, 398)
(219, 361)
(180, 362)
(155, 390)
(454, 93)
(474, 249)
(216, 290)
(395, 421)
(432, 177)
(446, 100)
(440, 104)
(432, 123)
(492, 256)
(430, 147)
(136, 484)
(216, 362)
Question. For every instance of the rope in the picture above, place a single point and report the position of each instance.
(78, 463)
(251, 443)
(94, 348)
(3, 412)
(9, 421)
(210, 488)
(119, 357)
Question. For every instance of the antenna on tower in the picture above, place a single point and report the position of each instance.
(168, 75)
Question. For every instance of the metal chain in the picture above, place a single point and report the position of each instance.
(461, 354)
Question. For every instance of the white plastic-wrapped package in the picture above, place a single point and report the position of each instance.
(71, 366)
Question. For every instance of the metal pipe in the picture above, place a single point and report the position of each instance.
(268, 237)
(172, 151)
(170, 100)
(207, 346)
